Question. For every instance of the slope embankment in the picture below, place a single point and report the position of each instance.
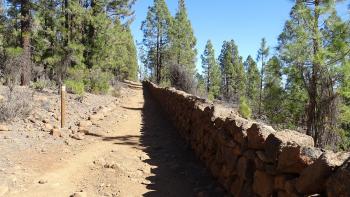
(249, 158)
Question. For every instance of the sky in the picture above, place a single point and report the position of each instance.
(247, 22)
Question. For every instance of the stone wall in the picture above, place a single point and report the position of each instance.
(252, 159)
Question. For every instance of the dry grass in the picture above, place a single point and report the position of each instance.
(15, 105)
(117, 87)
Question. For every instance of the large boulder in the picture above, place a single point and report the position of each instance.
(276, 141)
(257, 135)
(339, 183)
(313, 179)
(294, 158)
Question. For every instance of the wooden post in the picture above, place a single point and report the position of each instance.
(63, 105)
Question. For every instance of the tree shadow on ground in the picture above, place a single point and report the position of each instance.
(177, 170)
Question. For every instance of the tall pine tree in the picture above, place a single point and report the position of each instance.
(253, 83)
(263, 54)
(273, 92)
(232, 70)
(211, 71)
(313, 45)
(156, 40)
(183, 42)
(21, 12)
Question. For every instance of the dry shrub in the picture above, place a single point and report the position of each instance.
(117, 87)
(16, 105)
(181, 79)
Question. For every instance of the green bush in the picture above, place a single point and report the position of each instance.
(244, 108)
(39, 85)
(77, 73)
(91, 80)
(210, 97)
(98, 81)
(75, 87)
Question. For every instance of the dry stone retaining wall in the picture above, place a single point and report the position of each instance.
(252, 159)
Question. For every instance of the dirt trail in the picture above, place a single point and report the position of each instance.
(135, 152)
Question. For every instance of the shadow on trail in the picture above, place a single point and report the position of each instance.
(129, 140)
(178, 172)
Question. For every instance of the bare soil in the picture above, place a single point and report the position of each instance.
(132, 151)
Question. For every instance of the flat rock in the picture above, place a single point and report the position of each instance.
(77, 136)
(85, 123)
(83, 130)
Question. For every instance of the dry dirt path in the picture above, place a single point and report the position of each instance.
(135, 152)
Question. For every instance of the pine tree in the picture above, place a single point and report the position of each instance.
(295, 99)
(201, 85)
(233, 75)
(156, 30)
(132, 57)
(263, 54)
(78, 41)
(344, 92)
(2, 32)
(44, 36)
(273, 91)
(183, 41)
(253, 83)
(211, 71)
(20, 11)
(313, 44)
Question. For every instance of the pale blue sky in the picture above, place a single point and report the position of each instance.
(244, 21)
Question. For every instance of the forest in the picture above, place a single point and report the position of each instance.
(84, 44)
(88, 46)
(304, 86)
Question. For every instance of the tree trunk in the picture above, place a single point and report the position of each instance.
(26, 67)
(261, 84)
(313, 107)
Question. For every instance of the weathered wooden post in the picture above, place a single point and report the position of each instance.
(63, 104)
